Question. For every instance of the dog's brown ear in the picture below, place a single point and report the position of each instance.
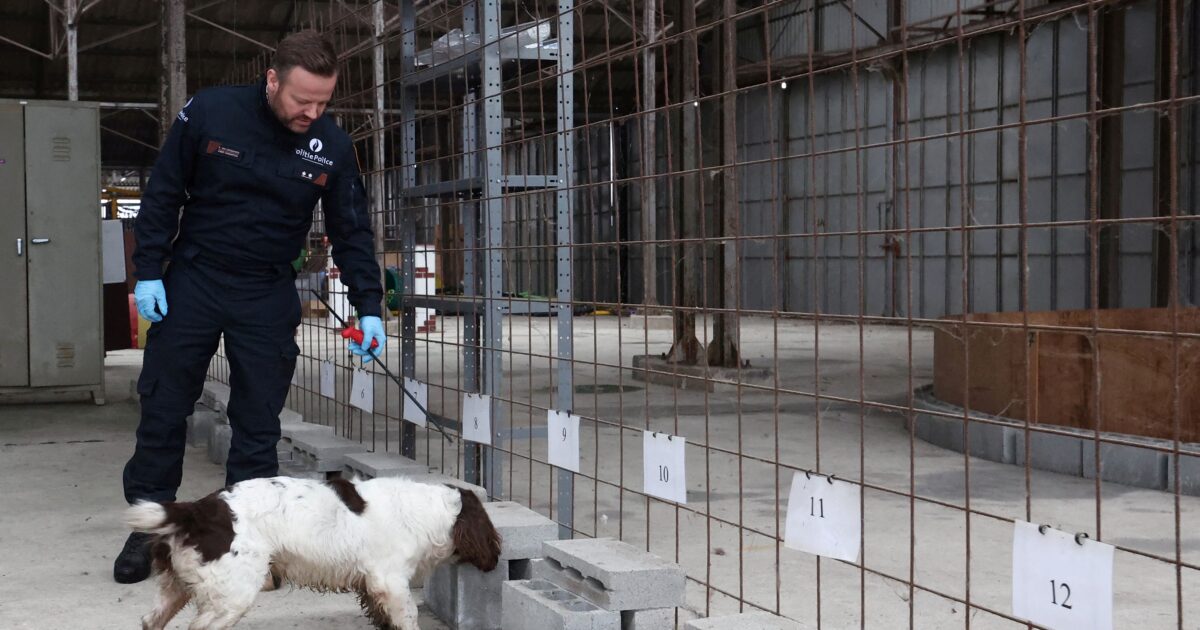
(475, 538)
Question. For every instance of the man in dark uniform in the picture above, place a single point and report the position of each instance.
(228, 207)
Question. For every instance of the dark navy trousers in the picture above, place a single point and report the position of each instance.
(257, 311)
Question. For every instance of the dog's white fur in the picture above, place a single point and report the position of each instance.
(304, 533)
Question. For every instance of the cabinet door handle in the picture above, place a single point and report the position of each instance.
(20, 247)
(39, 241)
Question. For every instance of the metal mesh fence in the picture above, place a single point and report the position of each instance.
(943, 251)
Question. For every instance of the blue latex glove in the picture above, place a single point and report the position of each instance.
(148, 293)
(372, 328)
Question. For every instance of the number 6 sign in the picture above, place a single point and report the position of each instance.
(362, 390)
(1061, 580)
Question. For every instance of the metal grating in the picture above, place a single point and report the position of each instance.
(943, 251)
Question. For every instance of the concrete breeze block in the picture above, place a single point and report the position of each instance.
(611, 573)
(299, 470)
(540, 605)
(651, 619)
(437, 478)
(371, 465)
(522, 531)
(218, 443)
(216, 395)
(465, 597)
(199, 427)
(745, 621)
(1127, 464)
(323, 452)
(289, 430)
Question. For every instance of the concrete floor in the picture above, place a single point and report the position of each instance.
(60, 506)
(59, 523)
(726, 537)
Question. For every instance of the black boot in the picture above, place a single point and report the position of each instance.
(133, 563)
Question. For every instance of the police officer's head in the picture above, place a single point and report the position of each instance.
(301, 79)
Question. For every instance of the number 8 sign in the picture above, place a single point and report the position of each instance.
(477, 418)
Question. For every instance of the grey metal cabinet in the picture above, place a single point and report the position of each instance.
(51, 337)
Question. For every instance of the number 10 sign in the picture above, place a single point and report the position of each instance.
(1060, 580)
(663, 466)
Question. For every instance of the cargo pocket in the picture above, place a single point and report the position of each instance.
(146, 383)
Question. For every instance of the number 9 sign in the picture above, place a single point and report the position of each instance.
(564, 450)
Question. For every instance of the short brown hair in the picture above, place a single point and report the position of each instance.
(310, 50)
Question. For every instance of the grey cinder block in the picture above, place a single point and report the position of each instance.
(323, 452)
(215, 396)
(289, 430)
(1126, 464)
(287, 416)
(650, 619)
(218, 443)
(745, 621)
(611, 573)
(436, 478)
(465, 597)
(199, 427)
(522, 531)
(1056, 453)
(530, 604)
(299, 470)
(371, 465)
(1189, 474)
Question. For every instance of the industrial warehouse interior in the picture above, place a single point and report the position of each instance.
(718, 314)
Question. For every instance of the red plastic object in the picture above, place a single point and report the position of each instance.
(350, 332)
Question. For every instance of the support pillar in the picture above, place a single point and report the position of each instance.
(173, 81)
(723, 350)
(686, 348)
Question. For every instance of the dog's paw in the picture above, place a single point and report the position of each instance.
(273, 580)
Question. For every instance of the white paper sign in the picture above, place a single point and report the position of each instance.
(562, 439)
(362, 390)
(420, 391)
(328, 380)
(824, 517)
(1059, 583)
(663, 466)
(477, 418)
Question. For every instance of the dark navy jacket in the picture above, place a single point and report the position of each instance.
(247, 187)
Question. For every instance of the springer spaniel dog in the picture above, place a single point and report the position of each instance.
(369, 537)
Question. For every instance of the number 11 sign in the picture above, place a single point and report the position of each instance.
(1060, 580)
(824, 517)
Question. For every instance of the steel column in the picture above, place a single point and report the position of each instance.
(565, 104)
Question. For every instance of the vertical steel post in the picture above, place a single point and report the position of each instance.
(565, 104)
(493, 240)
(408, 218)
(470, 218)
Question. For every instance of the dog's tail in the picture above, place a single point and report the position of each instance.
(149, 517)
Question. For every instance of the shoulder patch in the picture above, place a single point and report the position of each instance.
(348, 494)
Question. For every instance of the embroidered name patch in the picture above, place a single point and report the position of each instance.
(217, 148)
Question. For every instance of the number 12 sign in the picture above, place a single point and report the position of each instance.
(1061, 582)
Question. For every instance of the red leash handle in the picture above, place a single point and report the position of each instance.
(351, 332)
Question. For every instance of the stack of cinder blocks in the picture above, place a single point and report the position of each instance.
(595, 584)
(469, 599)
